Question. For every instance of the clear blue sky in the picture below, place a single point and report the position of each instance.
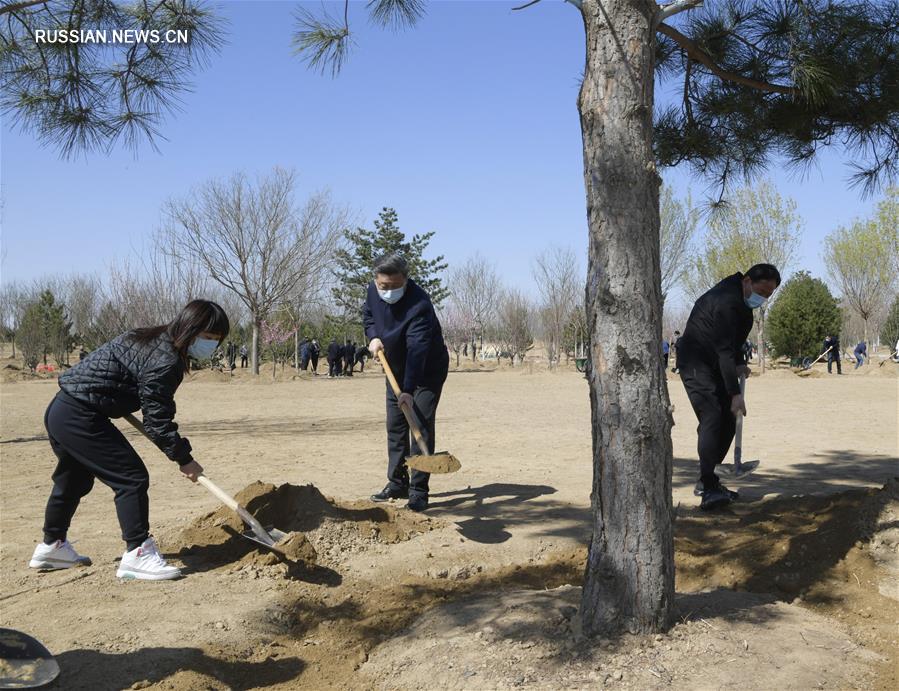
(467, 125)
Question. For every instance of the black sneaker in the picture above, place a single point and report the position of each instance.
(418, 504)
(388, 493)
(714, 499)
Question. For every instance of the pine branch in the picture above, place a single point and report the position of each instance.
(700, 56)
(15, 7)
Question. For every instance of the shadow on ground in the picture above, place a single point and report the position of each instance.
(829, 472)
(95, 670)
(497, 508)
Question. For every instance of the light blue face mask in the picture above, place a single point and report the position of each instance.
(202, 348)
(392, 296)
(754, 301)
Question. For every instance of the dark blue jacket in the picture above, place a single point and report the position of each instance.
(411, 334)
(861, 349)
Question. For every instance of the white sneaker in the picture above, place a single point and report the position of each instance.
(146, 564)
(59, 555)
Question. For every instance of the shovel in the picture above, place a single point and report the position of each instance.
(440, 462)
(267, 538)
(739, 469)
(24, 662)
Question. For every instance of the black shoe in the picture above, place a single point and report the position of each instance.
(418, 504)
(388, 493)
(714, 499)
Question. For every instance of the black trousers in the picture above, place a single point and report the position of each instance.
(717, 424)
(87, 446)
(334, 368)
(400, 442)
(243, 361)
(348, 366)
(831, 359)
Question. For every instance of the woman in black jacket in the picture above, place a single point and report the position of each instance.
(140, 369)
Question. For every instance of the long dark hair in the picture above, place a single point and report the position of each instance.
(197, 316)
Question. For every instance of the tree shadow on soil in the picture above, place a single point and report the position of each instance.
(783, 546)
(497, 507)
(832, 471)
(269, 427)
(96, 670)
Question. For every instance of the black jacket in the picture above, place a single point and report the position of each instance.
(411, 334)
(716, 331)
(349, 352)
(834, 345)
(335, 351)
(122, 376)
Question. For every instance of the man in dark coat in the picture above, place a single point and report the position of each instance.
(349, 354)
(361, 355)
(833, 355)
(710, 360)
(335, 357)
(315, 350)
(304, 354)
(399, 319)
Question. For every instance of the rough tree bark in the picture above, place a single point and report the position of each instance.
(629, 581)
(254, 350)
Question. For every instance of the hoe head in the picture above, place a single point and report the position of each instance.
(440, 462)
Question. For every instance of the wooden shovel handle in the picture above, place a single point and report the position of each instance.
(410, 418)
(217, 491)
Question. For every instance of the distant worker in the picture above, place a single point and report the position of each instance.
(833, 355)
(399, 318)
(747, 350)
(361, 355)
(665, 351)
(243, 356)
(710, 360)
(232, 355)
(860, 352)
(675, 343)
(335, 357)
(304, 354)
(315, 350)
(349, 356)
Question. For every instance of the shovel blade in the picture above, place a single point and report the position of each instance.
(273, 534)
(745, 469)
(439, 463)
(24, 662)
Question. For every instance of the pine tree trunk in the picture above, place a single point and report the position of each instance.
(254, 353)
(629, 581)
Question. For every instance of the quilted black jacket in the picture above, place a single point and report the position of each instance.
(122, 376)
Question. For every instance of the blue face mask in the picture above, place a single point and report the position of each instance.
(754, 301)
(202, 348)
(392, 296)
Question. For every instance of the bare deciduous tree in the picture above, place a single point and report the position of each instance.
(559, 282)
(678, 221)
(859, 261)
(475, 292)
(253, 239)
(513, 326)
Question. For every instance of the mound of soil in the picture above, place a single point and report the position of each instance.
(320, 530)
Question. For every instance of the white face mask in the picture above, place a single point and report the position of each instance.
(392, 296)
(202, 348)
(754, 301)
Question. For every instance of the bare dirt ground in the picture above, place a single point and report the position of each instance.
(796, 585)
